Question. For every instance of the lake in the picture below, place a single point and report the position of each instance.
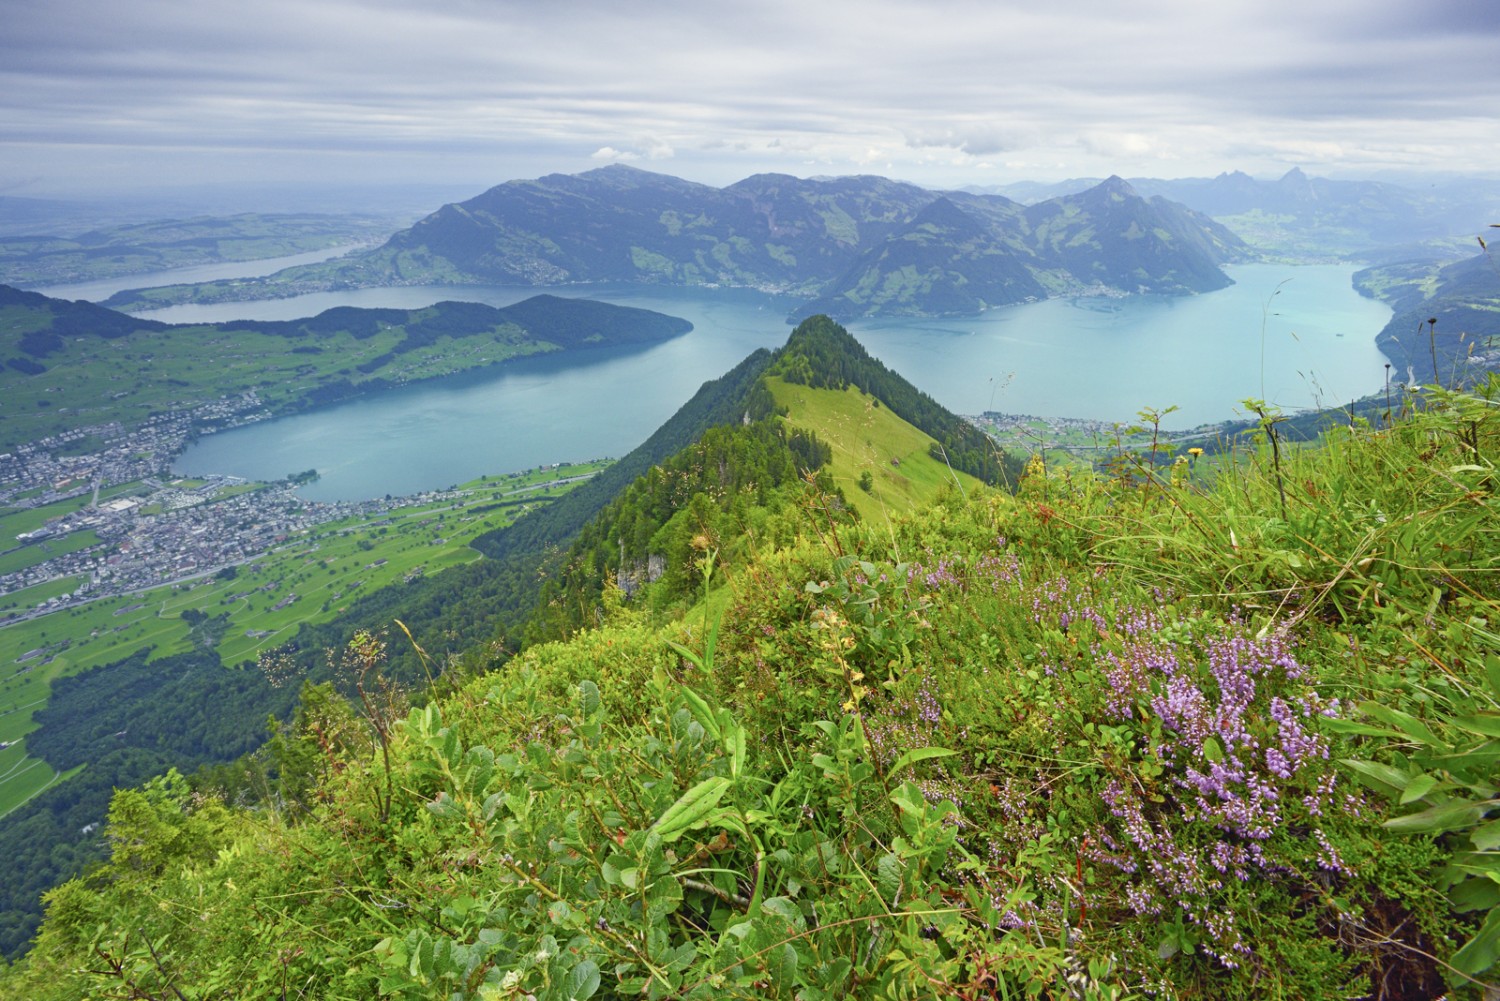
(102, 288)
(1298, 336)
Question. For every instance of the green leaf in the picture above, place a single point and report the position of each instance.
(1418, 787)
(1484, 724)
(582, 981)
(589, 694)
(918, 754)
(1212, 750)
(1365, 729)
(1486, 837)
(1475, 894)
(693, 807)
(689, 655)
(1481, 951)
(734, 743)
(1380, 777)
(705, 716)
(1449, 816)
(1405, 722)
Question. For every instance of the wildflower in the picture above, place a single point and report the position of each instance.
(1194, 452)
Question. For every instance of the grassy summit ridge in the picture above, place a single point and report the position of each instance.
(1112, 737)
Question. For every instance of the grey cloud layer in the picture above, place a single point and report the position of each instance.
(1162, 86)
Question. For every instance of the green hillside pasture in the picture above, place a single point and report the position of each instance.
(130, 379)
(40, 552)
(19, 521)
(324, 568)
(30, 597)
(868, 437)
(23, 776)
(35, 652)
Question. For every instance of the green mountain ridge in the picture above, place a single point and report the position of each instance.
(69, 364)
(829, 239)
(730, 457)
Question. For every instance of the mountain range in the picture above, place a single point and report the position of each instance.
(855, 246)
(1301, 215)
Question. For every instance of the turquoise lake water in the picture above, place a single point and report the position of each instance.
(1298, 336)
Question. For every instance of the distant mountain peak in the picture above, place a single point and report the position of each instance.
(1114, 184)
(944, 214)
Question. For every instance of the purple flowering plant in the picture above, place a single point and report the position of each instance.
(1230, 776)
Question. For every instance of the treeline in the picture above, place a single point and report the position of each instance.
(124, 722)
(823, 355)
(69, 319)
(732, 397)
(658, 531)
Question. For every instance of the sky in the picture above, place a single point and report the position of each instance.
(101, 96)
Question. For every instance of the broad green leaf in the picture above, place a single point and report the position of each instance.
(702, 713)
(1212, 750)
(1448, 816)
(909, 799)
(694, 806)
(1492, 671)
(734, 743)
(1476, 894)
(918, 754)
(1484, 724)
(1418, 787)
(1380, 777)
(1481, 951)
(589, 694)
(582, 981)
(1351, 726)
(689, 655)
(1486, 837)
(1405, 722)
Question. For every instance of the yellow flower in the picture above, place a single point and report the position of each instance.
(1195, 452)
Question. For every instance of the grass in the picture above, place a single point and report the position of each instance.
(869, 438)
(14, 522)
(30, 597)
(96, 380)
(22, 777)
(30, 555)
(326, 568)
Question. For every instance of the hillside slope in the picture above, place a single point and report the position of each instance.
(1445, 328)
(1111, 737)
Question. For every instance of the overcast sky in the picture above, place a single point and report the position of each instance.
(116, 94)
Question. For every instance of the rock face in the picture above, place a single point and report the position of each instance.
(857, 246)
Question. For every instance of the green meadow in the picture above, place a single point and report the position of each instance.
(868, 438)
(251, 608)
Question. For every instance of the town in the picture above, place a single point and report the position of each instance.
(127, 524)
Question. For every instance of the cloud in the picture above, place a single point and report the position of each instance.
(934, 90)
(610, 153)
